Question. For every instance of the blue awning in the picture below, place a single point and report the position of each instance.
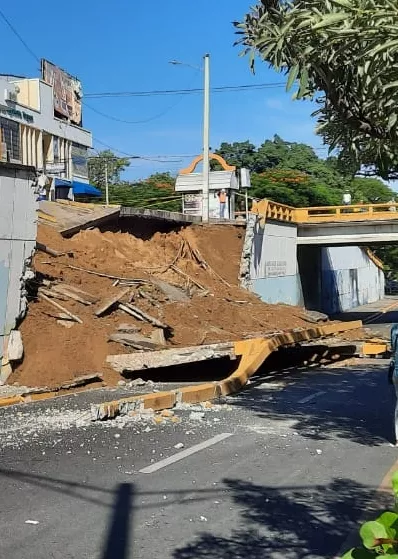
(62, 182)
(84, 189)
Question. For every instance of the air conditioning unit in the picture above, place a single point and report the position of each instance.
(10, 95)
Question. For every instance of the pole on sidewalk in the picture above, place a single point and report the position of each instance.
(206, 140)
(106, 184)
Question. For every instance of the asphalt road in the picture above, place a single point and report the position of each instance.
(301, 457)
(378, 316)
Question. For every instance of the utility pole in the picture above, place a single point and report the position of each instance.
(106, 183)
(206, 140)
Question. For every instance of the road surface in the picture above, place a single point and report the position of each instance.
(286, 469)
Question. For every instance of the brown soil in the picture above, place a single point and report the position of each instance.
(54, 354)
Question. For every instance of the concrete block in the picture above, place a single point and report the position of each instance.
(15, 346)
(201, 393)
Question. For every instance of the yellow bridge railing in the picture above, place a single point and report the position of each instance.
(266, 209)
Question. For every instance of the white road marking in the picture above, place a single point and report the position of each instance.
(185, 453)
(312, 397)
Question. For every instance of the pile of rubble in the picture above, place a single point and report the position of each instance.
(100, 294)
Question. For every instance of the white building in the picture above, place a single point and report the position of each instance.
(33, 132)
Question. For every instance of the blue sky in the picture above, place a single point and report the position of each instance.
(126, 46)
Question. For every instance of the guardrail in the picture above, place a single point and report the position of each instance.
(356, 212)
(267, 209)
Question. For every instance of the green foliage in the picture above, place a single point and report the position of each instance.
(343, 54)
(155, 192)
(379, 537)
(97, 168)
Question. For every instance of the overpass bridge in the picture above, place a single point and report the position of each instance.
(354, 225)
(317, 256)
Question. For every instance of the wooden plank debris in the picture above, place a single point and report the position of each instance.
(129, 328)
(48, 250)
(137, 341)
(170, 357)
(52, 294)
(103, 275)
(60, 307)
(74, 293)
(111, 301)
(141, 315)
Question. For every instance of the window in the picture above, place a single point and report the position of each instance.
(79, 161)
(10, 135)
(56, 149)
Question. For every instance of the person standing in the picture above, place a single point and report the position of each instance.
(222, 197)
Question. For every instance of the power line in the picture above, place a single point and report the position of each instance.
(19, 36)
(157, 92)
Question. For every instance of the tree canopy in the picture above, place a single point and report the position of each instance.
(292, 173)
(106, 161)
(343, 54)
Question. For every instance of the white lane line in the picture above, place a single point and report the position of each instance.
(312, 397)
(184, 453)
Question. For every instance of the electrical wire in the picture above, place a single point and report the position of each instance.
(27, 47)
(221, 89)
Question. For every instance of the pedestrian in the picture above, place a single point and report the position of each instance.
(222, 197)
(393, 374)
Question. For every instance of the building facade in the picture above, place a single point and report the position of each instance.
(33, 134)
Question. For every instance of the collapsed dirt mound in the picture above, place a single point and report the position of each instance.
(202, 261)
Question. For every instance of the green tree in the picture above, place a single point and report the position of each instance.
(343, 54)
(106, 161)
(370, 190)
(155, 192)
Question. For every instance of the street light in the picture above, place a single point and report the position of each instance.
(206, 133)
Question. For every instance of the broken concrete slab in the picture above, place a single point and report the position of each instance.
(172, 292)
(170, 357)
(15, 346)
(158, 337)
(108, 303)
(134, 340)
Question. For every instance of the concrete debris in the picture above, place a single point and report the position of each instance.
(319, 451)
(111, 301)
(196, 416)
(34, 522)
(172, 292)
(168, 357)
(315, 316)
(179, 446)
(15, 346)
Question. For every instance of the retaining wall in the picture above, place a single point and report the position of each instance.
(18, 225)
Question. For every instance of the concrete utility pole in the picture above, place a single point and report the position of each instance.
(206, 140)
(106, 183)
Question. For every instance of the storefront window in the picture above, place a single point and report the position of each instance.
(79, 161)
(10, 135)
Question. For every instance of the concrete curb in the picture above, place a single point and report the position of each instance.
(253, 353)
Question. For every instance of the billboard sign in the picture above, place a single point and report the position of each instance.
(67, 92)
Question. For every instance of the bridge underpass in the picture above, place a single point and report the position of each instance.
(319, 257)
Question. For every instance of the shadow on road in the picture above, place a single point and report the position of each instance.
(357, 403)
(289, 522)
(118, 540)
